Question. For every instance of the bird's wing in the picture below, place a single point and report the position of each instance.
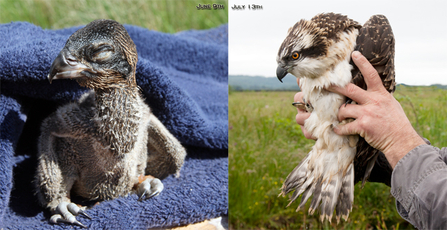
(73, 120)
(166, 154)
(376, 43)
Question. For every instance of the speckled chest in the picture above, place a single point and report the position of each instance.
(106, 173)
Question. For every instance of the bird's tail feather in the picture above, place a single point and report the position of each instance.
(369, 168)
(296, 179)
(346, 196)
(306, 196)
(329, 197)
(335, 192)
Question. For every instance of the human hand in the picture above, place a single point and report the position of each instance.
(379, 118)
(302, 115)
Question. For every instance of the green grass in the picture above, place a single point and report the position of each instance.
(166, 16)
(426, 107)
(266, 144)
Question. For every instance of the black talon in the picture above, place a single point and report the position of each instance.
(299, 105)
(348, 101)
(82, 212)
(152, 195)
(147, 197)
(79, 224)
(141, 197)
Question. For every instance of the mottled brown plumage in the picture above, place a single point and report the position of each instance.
(376, 42)
(323, 27)
(99, 146)
(318, 52)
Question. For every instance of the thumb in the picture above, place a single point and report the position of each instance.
(346, 129)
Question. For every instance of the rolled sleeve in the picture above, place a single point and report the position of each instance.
(419, 184)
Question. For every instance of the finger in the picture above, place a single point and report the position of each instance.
(352, 91)
(307, 134)
(349, 111)
(370, 74)
(301, 118)
(298, 97)
(347, 129)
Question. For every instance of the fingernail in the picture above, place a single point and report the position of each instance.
(335, 128)
(356, 55)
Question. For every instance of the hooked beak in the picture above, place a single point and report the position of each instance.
(280, 73)
(65, 66)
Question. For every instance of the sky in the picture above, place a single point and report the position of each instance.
(420, 31)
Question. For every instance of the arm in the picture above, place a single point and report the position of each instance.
(419, 184)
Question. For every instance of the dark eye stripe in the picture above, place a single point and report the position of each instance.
(313, 52)
(319, 48)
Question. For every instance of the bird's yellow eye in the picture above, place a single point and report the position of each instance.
(295, 55)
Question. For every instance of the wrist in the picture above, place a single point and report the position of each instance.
(402, 146)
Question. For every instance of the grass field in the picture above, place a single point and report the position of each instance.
(167, 16)
(266, 144)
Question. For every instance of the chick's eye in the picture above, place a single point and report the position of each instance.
(101, 53)
(295, 55)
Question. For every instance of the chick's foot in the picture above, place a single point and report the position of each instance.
(66, 213)
(149, 187)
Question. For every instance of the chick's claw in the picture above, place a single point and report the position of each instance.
(349, 101)
(66, 213)
(149, 188)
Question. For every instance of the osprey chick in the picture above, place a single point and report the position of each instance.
(101, 146)
(319, 52)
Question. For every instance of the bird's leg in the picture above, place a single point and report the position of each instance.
(66, 212)
(303, 105)
(148, 186)
(54, 179)
(308, 106)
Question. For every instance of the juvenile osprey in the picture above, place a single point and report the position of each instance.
(319, 52)
(102, 146)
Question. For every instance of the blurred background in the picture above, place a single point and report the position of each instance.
(168, 16)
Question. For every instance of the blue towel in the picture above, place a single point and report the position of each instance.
(184, 78)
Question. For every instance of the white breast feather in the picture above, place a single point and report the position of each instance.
(329, 165)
